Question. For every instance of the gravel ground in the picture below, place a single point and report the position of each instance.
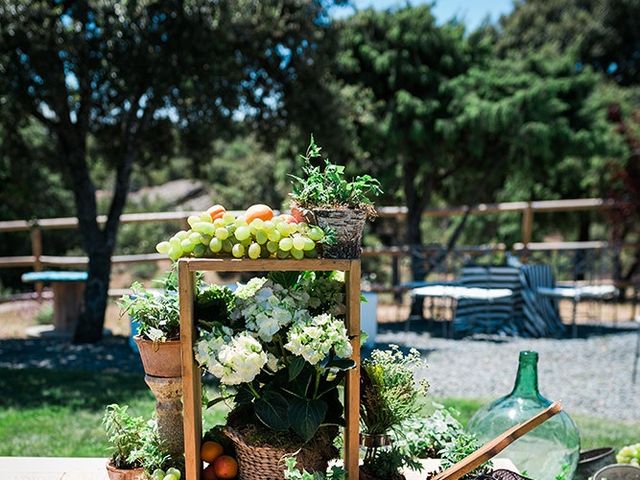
(590, 375)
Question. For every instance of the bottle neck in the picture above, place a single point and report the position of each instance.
(527, 378)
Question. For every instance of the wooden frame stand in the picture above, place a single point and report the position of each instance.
(191, 377)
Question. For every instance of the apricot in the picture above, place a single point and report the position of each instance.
(225, 467)
(288, 218)
(297, 214)
(263, 212)
(209, 474)
(210, 451)
(217, 211)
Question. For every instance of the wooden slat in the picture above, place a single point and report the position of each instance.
(352, 388)
(266, 264)
(191, 380)
(17, 261)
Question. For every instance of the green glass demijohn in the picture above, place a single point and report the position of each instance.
(550, 450)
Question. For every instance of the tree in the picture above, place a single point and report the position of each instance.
(402, 60)
(122, 73)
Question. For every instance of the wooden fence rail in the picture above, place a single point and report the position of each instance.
(37, 260)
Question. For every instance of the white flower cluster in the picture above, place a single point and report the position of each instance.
(266, 306)
(233, 360)
(313, 338)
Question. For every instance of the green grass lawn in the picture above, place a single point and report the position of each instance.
(58, 413)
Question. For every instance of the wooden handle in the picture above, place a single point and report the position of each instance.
(498, 444)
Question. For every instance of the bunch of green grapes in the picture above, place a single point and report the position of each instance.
(629, 454)
(231, 235)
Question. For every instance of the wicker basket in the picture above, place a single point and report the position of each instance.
(348, 225)
(266, 463)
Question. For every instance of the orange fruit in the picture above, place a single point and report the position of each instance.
(225, 467)
(217, 211)
(208, 474)
(210, 451)
(260, 211)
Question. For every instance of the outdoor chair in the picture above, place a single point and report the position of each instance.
(541, 315)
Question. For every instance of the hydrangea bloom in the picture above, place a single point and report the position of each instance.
(314, 337)
(233, 360)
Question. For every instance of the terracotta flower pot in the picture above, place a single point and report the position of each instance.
(160, 359)
(125, 474)
(348, 226)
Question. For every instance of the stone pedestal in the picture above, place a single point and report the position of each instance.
(168, 393)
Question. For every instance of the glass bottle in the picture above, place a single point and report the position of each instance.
(547, 451)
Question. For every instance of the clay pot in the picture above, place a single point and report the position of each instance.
(593, 460)
(122, 474)
(160, 359)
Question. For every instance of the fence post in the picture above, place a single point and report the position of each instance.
(36, 251)
(527, 228)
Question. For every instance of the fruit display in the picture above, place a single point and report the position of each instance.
(629, 454)
(257, 233)
(220, 466)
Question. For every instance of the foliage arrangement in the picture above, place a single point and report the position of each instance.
(280, 362)
(293, 473)
(257, 233)
(124, 434)
(461, 447)
(157, 314)
(428, 437)
(390, 394)
(629, 454)
(327, 188)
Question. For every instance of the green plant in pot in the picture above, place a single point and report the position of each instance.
(340, 207)
(124, 434)
(281, 362)
(390, 395)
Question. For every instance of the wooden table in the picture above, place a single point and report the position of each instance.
(68, 296)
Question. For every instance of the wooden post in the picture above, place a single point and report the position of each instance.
(527, 227)
(352, 389)
(36, 251)
(191, 379)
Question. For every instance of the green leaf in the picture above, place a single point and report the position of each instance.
(342, 364)
(272, 409)
(295, 368)
(306, 416)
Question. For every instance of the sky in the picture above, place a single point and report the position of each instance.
(472, 12)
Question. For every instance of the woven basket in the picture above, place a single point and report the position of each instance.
(266, 463)
(348, 225)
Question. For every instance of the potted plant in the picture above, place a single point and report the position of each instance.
(281, 361)
(389, 396)
(338, 206)
(124, 434)
(158, 317)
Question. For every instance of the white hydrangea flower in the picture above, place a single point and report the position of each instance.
(313, 338)
(238, 361)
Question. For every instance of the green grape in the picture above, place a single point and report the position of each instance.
(158, 474)
(285, 244)
(204, 228)
(163, 247)
(238, 250)
(293, 228)
(254, 251)
(199, 250)
(297, 254)
(257, 224)
(246, 242)
(302, 226)
(311, 253)
(205, 217)
(308, 244)
(175, 242)
(272, 247)
(261, 237)
(187, 246)
(215, 245)
(175, 253)
(171, 477)
(218, 223)
(182, 234)
(222, 233)
(268, 226)
(205, 239)
(242, 232)
(316, 234)
(174, 471)
(274, 235)
(241, 222)
(298, 242)
(193, 219)
(195, 237)
(283, 228)
(282, 254)
(227, 246)
(228, 218)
